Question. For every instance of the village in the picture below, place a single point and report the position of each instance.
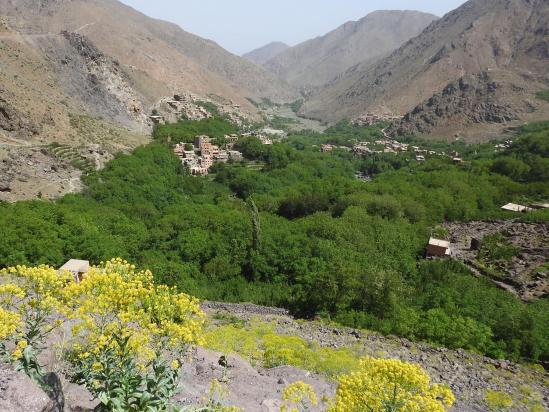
(189, 106)
(388, 145)
(202, 154)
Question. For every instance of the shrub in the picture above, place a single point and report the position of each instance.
(128, 334)
(497, 247)
(29, 301)
(298, 397)
(543, 95)
(383, 385)
(498, 401)
(259, 344)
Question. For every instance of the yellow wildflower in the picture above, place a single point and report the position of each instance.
(383, 382)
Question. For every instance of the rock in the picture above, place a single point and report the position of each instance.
(5, 186)
(271, 405)
(56, 394)
(19, 393)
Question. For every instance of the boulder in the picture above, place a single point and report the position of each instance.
(18, 393)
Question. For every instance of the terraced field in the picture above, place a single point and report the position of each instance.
(71, 155)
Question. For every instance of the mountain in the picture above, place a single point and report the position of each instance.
(318, 61)
(263, 54)
(88, 72)
(472, 73)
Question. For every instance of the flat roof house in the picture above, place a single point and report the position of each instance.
(437, 247)
(513, 207)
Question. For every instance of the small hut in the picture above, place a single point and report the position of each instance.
(78, 268)
(438, 248)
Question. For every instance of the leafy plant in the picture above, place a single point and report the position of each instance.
(120, 383)
(128, 334)
(498, 401)
(298, 397)
(496, 247)
(125, 328)
(30, 300)
(385, 385)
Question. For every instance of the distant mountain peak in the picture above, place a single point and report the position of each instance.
(318, 61)
(265, 53)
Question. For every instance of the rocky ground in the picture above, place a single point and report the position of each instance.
(19, 393)
(245, 386)
(255, 388)
(524, 273)
(469, 375)
(30, 173)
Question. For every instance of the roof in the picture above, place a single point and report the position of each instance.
(75, 265)
(513, 207)
(438, 242)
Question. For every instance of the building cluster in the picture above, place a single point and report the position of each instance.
(189, 106)
(330, 147)
(266, 140)
(370, 119)
(177, 107)
(201, 155)
(393, 146)
(503, 146)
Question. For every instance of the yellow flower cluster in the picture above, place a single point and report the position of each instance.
(19, 348)
(25, 292)
(388, 384)
(115, 300)
(298, 394)
(498, 401)
(41, 286)
(259, 343)
(9, 322)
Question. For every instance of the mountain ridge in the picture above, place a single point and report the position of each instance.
(503, 37)
(317, 61)
(263, 54)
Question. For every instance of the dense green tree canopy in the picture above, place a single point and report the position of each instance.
(327, 243)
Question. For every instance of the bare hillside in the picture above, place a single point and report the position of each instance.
(318, 61)
(502, 44)
(63, 60)
(263, 54)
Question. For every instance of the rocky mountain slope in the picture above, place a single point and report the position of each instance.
(151, 51)
(470, 74)
(263, 54)
(82, 73)
(318, 61)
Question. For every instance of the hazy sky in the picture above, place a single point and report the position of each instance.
(243, 25)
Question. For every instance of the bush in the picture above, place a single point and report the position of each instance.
(496, 247)
(384, 385)
(128, 334)
(498, 401)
